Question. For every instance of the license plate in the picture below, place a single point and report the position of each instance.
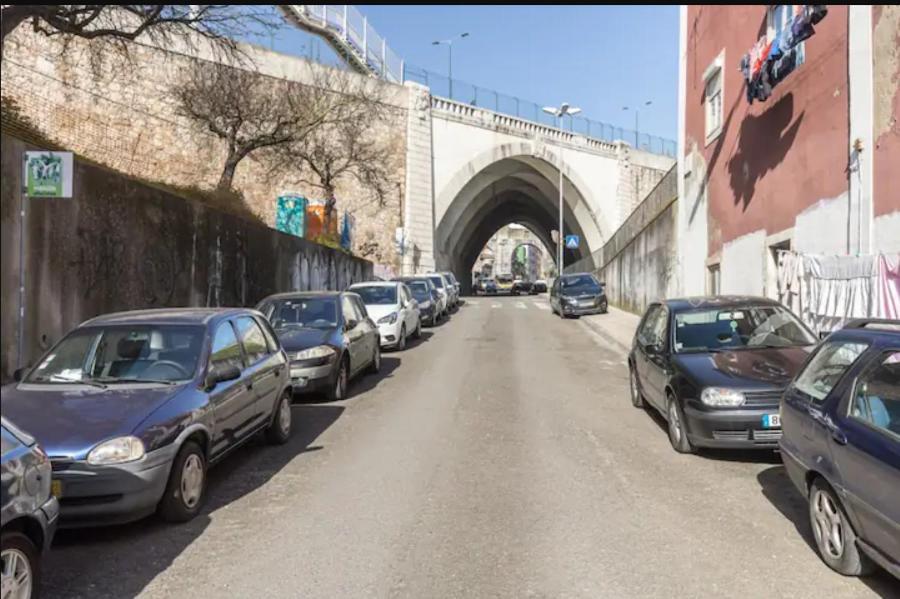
(56, 488)
(771, 421)
(586, 303)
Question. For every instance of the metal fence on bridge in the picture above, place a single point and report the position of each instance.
(461, 91)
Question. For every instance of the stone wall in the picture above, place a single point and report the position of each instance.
(120, 244)
(118, 112)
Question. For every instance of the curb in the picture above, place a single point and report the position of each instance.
(601, 332)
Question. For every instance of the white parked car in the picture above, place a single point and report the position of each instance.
(393, 308)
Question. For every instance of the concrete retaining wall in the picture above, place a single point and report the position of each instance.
(121, 244)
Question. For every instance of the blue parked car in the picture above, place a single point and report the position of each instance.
(132, 408)
(840, 419)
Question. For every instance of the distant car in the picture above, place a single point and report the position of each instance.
(489, 287)
(454, 285)
(715, 368)
(423, 289)
(30, 512)
(443, 288)
(504, 283)
(841, 446)
(134, 407)
(521, 287)
(328, 336)
(539, 286)
(577, 295)
(394, 309)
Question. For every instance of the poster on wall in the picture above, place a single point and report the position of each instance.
(290, 214)
(48, 174)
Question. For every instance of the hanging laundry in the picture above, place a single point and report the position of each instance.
(783, 67)
(817, 12)
(801, 28)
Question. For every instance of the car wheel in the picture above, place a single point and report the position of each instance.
(604, 307)
(279, 430)
(677, 430)
(375, 364)
(418, 333)
(401, 343)
(338, 389)
(835, 537)
(186, 488)
(637, 400)
(21, 566)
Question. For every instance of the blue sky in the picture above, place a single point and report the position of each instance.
(600, 58)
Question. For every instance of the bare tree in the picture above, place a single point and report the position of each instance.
(220, 24)
(251, 112)
(352, 144)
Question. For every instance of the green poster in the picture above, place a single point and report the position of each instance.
(48, 174)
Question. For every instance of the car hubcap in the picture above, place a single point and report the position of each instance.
(402, 338)
(674, 423)
(16, 583)
(633, 388)
(192, 481)
(284, 416)
(341, 383)
(827, 525)
(377, 358)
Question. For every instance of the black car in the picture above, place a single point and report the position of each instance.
(425, 293)
(577, 295)
(715, 368)
(522, 287)
(841, 445)
(133, 408)
(328, 336)
(29, 511)
(539, 287)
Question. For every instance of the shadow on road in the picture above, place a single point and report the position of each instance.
(120, 561)
(777, 487)
(366, 383)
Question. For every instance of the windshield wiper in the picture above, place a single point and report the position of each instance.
(111, 381)
(62, 379)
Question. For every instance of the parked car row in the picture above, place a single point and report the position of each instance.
(745, 372)
(126, 414)
(516, 287)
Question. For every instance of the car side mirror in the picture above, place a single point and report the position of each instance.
(824, 334)
(19, 374)
(350, 325)
(652, 348)
(220, 374)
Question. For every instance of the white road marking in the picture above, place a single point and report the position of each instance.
(521, 305)
(496, 305)
(541, 305)
(471, 303)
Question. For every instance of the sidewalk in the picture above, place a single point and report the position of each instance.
(617, 327)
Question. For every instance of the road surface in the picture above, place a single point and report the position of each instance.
(498, 457)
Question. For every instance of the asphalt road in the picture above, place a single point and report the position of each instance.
(498, 457)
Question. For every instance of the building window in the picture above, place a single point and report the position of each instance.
(713, 279)
(713, 92)
(779, 17)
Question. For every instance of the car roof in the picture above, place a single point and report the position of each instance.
(375, 284)
(681, 304)
(182, 316)
(303, 294)
(875, 331)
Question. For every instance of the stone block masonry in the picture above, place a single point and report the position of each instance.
(119, 113)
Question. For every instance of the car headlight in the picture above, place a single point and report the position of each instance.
(722, 397)
(320, 351)
(116, 451)
(389, 319)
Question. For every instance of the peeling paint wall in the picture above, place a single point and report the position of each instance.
(120, 244)
(886, 67)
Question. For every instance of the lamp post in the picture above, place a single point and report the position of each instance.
(449, 43)
(559, 113)
(637, 143)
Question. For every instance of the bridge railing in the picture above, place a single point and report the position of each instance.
(481, 97)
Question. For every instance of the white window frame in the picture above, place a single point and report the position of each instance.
(786, 17)
(714, 97)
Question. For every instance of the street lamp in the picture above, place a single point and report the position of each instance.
(449, 43)
(637, 143)
(559, 113)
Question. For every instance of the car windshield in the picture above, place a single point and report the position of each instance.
(309, 312)
(578, 285)
(504, 279)
(438, 281)
(741, 327)
(375, 295)
(419, 290)
(123, 354)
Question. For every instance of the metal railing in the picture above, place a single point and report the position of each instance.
(481, 97)
(348, 31)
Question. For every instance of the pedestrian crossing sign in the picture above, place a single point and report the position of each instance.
(572, 242)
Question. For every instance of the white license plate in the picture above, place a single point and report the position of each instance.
(771, 421)
(586, 303)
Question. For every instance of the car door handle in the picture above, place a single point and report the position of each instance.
(278, 371)
(816, 415)
(836, 433)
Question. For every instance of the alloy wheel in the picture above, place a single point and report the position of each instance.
(827, 525)
(674, 423)
(17, 575)
(192, 481)
(341, 383)
(284, 416)
(401, 344)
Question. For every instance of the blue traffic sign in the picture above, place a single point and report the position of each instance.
(572, 242)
